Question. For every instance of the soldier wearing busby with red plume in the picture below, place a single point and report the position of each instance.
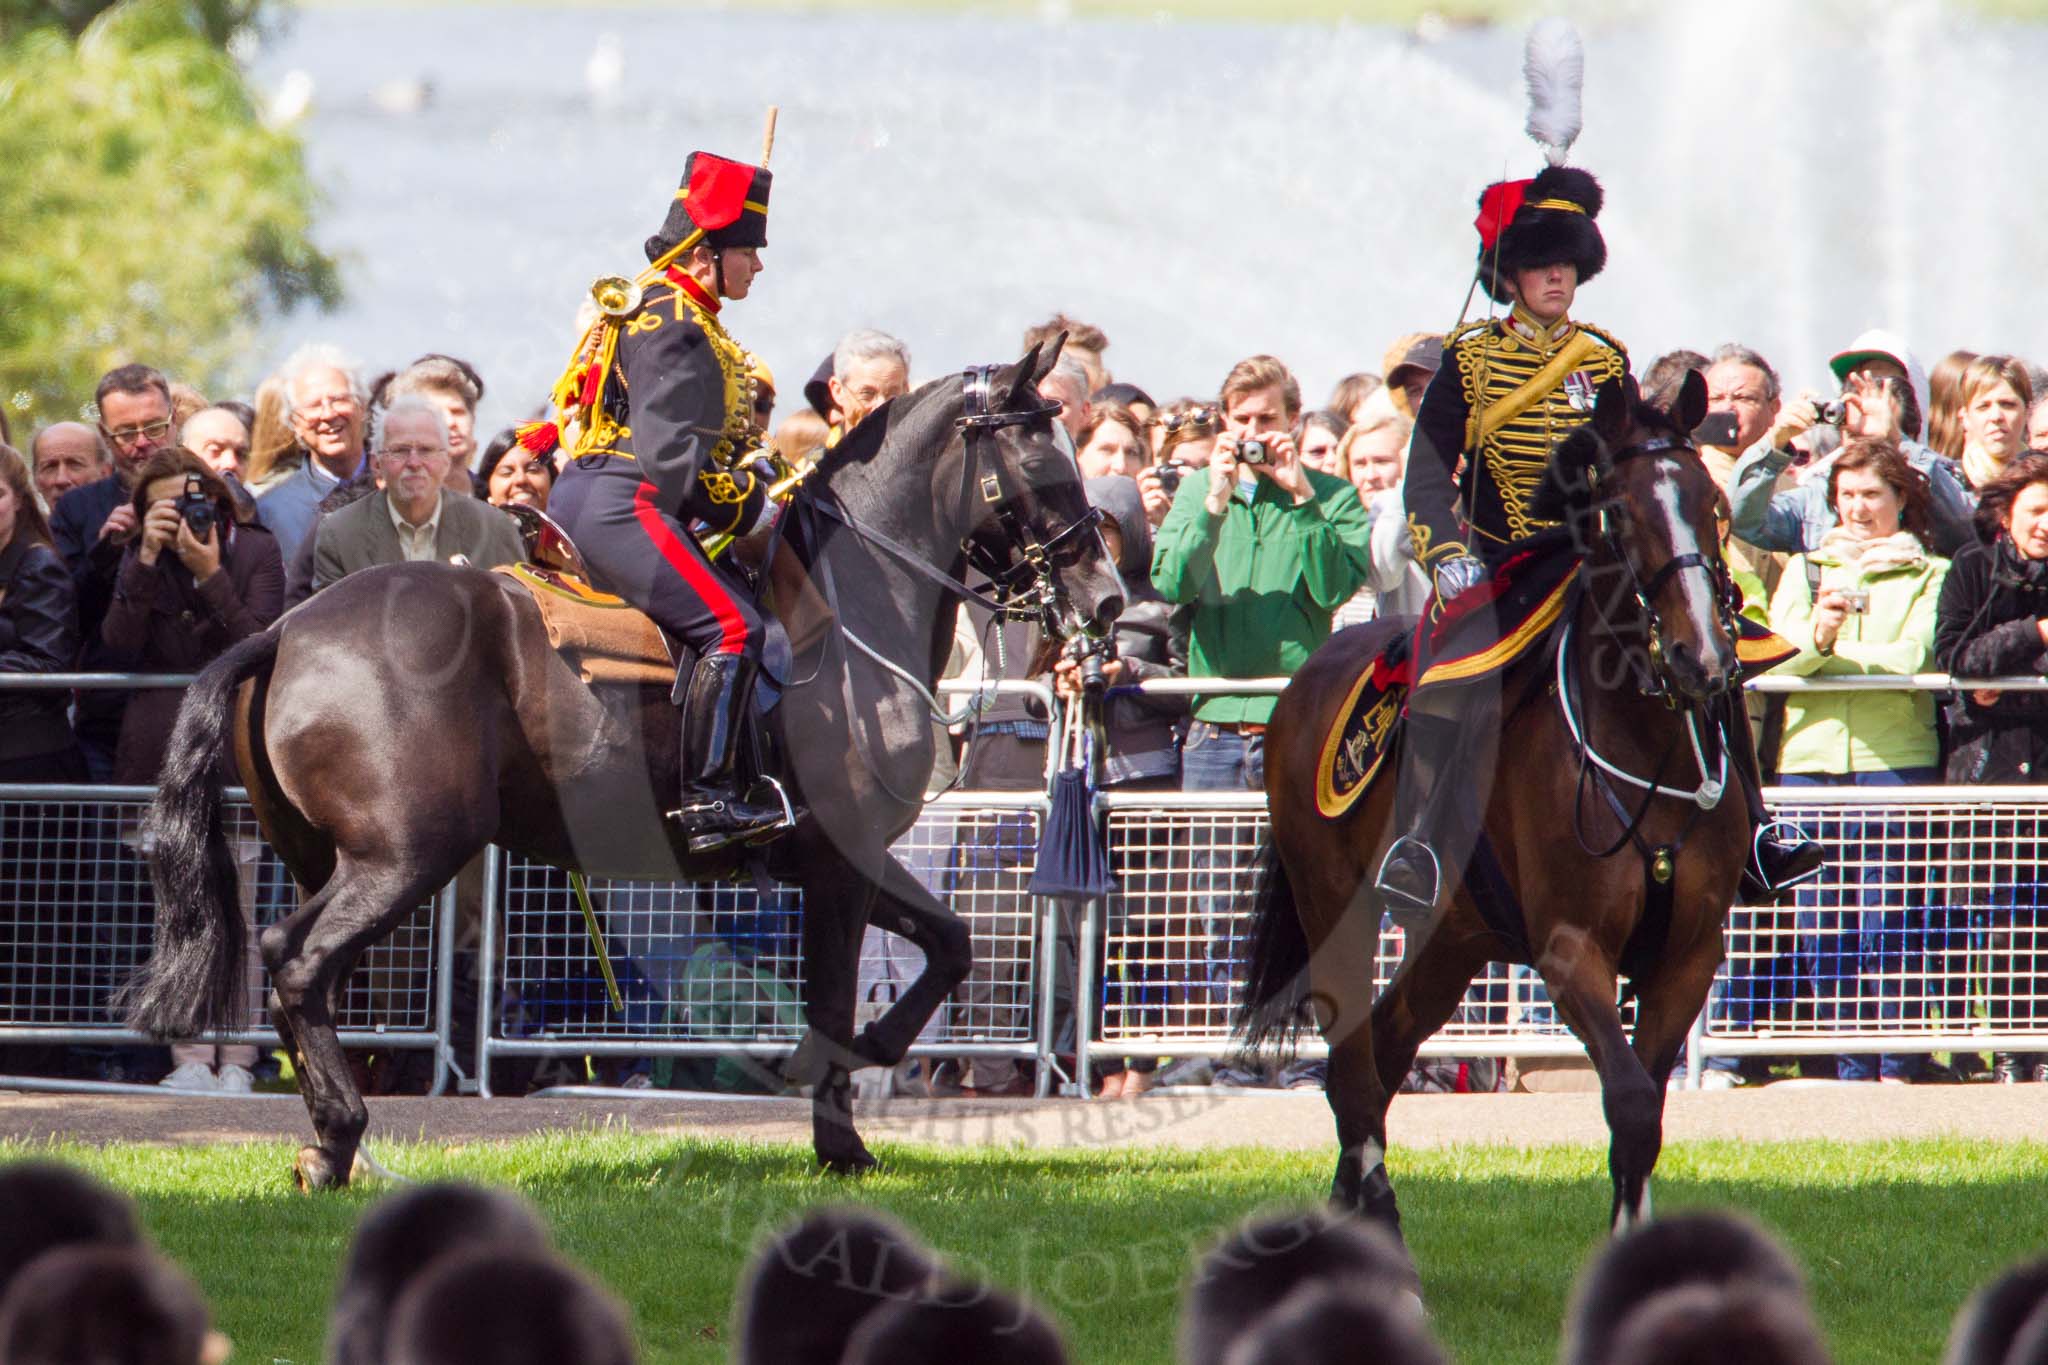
(659, 405)
(1510, 389)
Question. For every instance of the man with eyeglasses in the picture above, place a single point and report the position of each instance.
(329, 417)
(411, 517)
(93, 524)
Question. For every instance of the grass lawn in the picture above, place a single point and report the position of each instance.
(1893, 1235)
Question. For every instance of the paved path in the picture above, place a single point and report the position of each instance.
(1289, 1120)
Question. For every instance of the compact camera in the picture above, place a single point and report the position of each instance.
(1251, 450)
(1831, 414)
(1168, 475)
(196, 508)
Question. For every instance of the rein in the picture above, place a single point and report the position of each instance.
(1015, 597)
(1595, 769)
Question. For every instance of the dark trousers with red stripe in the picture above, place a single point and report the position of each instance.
(644, 555)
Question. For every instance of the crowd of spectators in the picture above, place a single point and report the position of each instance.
(1247, 525)
(457, 1274)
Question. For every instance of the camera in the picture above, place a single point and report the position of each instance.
(196, 508)
(1856, 600)
(1251, 450)
(1831, 414)
(1168, 475)
(1092, 654)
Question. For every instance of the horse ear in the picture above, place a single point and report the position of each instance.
(1015, 382)
(1051, 357)
(1690, 409)
(1614, 410)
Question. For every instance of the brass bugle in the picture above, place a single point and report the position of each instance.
(615, 296)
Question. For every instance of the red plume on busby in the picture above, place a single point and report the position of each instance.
(725, 200)
(1549, 219)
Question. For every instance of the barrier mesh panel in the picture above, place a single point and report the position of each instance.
(1927, 919)
(712, 961)
(1176, 934)
(77, 917)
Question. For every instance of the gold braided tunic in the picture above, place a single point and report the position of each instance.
(1508, 392)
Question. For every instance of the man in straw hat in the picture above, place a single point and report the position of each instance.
(1509, 389)
(664, 402)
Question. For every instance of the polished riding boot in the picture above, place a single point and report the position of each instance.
(1780, 854)
(714, 715)
(1411, 875)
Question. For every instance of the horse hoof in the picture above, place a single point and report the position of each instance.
(857, 1162)
(313, 1171)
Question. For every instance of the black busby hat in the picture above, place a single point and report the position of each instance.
(1527, 223)
(722, 201)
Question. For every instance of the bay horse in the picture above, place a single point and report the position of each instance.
(1643, 653)
(407, 716)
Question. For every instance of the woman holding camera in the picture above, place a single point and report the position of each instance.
(1993, 623)
(192, 582)
(1864, 603)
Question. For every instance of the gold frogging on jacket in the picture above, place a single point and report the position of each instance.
(1524, 391)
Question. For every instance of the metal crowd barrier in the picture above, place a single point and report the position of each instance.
(1923, 936)
(77, 915)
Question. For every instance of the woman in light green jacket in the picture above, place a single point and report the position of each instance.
(1863, 603)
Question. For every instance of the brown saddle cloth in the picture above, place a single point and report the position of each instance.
(608, 640)
(604, 638)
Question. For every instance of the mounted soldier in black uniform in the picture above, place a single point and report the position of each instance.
(1509, 390)
(668, 443)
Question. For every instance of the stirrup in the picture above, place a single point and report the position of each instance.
(782, 826)
(1754, 873)
(1404, 902)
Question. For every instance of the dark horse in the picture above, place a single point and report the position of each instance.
(1648, 645)
(406, 717)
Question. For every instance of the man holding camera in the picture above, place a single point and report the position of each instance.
(1259, 552)
(1264, 550)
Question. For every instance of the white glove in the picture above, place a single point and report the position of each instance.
(1456, 573)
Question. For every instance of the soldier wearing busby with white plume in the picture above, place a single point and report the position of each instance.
(1511, 387)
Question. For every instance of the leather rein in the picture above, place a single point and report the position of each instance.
(1025, 589)
(1652, 681)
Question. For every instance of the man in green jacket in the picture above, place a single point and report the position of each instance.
(1264, 551)
(1259, 555)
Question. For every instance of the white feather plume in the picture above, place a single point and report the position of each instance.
(1554, 66)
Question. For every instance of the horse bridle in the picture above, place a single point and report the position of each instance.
(1025, 587)
(1655, 681)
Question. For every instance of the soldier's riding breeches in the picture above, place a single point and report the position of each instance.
(645, 555)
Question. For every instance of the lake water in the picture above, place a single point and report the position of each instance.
(1784, 172)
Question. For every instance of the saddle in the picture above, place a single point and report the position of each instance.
(606, 639)
(603, 637)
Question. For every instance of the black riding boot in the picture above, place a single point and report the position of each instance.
(1411, 876)
(714, 715)
(1780, 854)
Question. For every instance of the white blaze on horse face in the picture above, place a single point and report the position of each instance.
(1697, 587)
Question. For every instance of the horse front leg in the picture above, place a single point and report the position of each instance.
(836, 906)
(1582, 986)
(904, 907)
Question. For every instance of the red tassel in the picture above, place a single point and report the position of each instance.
(591, 377)
(541, 438)
(1497, 208)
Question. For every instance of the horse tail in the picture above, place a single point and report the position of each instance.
(1269, 1009)
(193, 983)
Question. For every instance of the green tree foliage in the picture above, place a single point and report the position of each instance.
(149, 213)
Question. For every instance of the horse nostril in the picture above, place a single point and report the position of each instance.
(1106, 612)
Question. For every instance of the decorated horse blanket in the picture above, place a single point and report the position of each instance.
(1511, 615)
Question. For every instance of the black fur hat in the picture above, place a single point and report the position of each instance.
(1526, 223)
(725, 200)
